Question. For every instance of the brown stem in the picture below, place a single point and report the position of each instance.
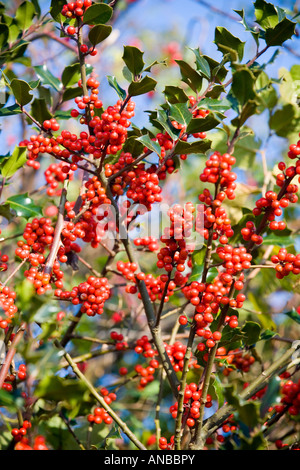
(57, 233)
(100, 399)
(11, 352)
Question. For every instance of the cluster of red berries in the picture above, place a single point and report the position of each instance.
(100, 415)
(143, 346)
(175, 255)
(155, 287)
(146, 375)
(57, 173)
(127, 270)
(92, 294)
(228, 426)
(42, 280)
(110, 131)
(38, 235)
(94, 196)
(218, 170)
(51, 125)
(284, 180)
(143, 185)
(235, 260)
(75, 9)
(239, 360)
(207, 298)
(38, 444)
(22, 372)
(120, 344)
(150, 243)
(164, 444)
(87, 101)
(19, 433)
(192, 402)
(213, 216)
(286, 263)
(11, 378)
(176, 353)
(290, 392)
(7, 304)
(249, 233)
(3, 262)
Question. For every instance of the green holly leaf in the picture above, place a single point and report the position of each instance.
(4, 33)
(24, 206)
(202, 64)
(55, 9)
(266, 14)
(281, 33)
(227, 43)
(190, 76)
(175, 94)
(211, 121)
(10, 110)
(99, 13)
(133, 146)
(39, 110)
(11, 164)
(251, 332)
(99, 33)
(198, 259)
(21, 91)
(198, 147)
(243, 82)
(114, 84)
(285, 120)
(294, 315)
(146, 85)
(161, 120)
(150, 144)
(24, 15)
(47, 78)
(71, 75)
(180, 113)
(133, 58)
(6, 212)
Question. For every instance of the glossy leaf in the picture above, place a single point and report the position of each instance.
(98, 13)
(150, 144)
(114, 84)
(133, 58)
(47, 78)
(227, 43)
(198, 147)
(146, 85)
(282, 31)
(99, 33)
(181, 113)
(24, 206)
(14, 162)
(175, 94)
(24, 15)
(21, 91)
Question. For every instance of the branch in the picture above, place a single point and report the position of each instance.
(100, 399)
(58, 229)
(213, 423)
(148, 307)
(11, 352)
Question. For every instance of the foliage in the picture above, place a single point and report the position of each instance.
(112, 304)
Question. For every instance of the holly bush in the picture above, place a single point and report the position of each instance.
(149, 270)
